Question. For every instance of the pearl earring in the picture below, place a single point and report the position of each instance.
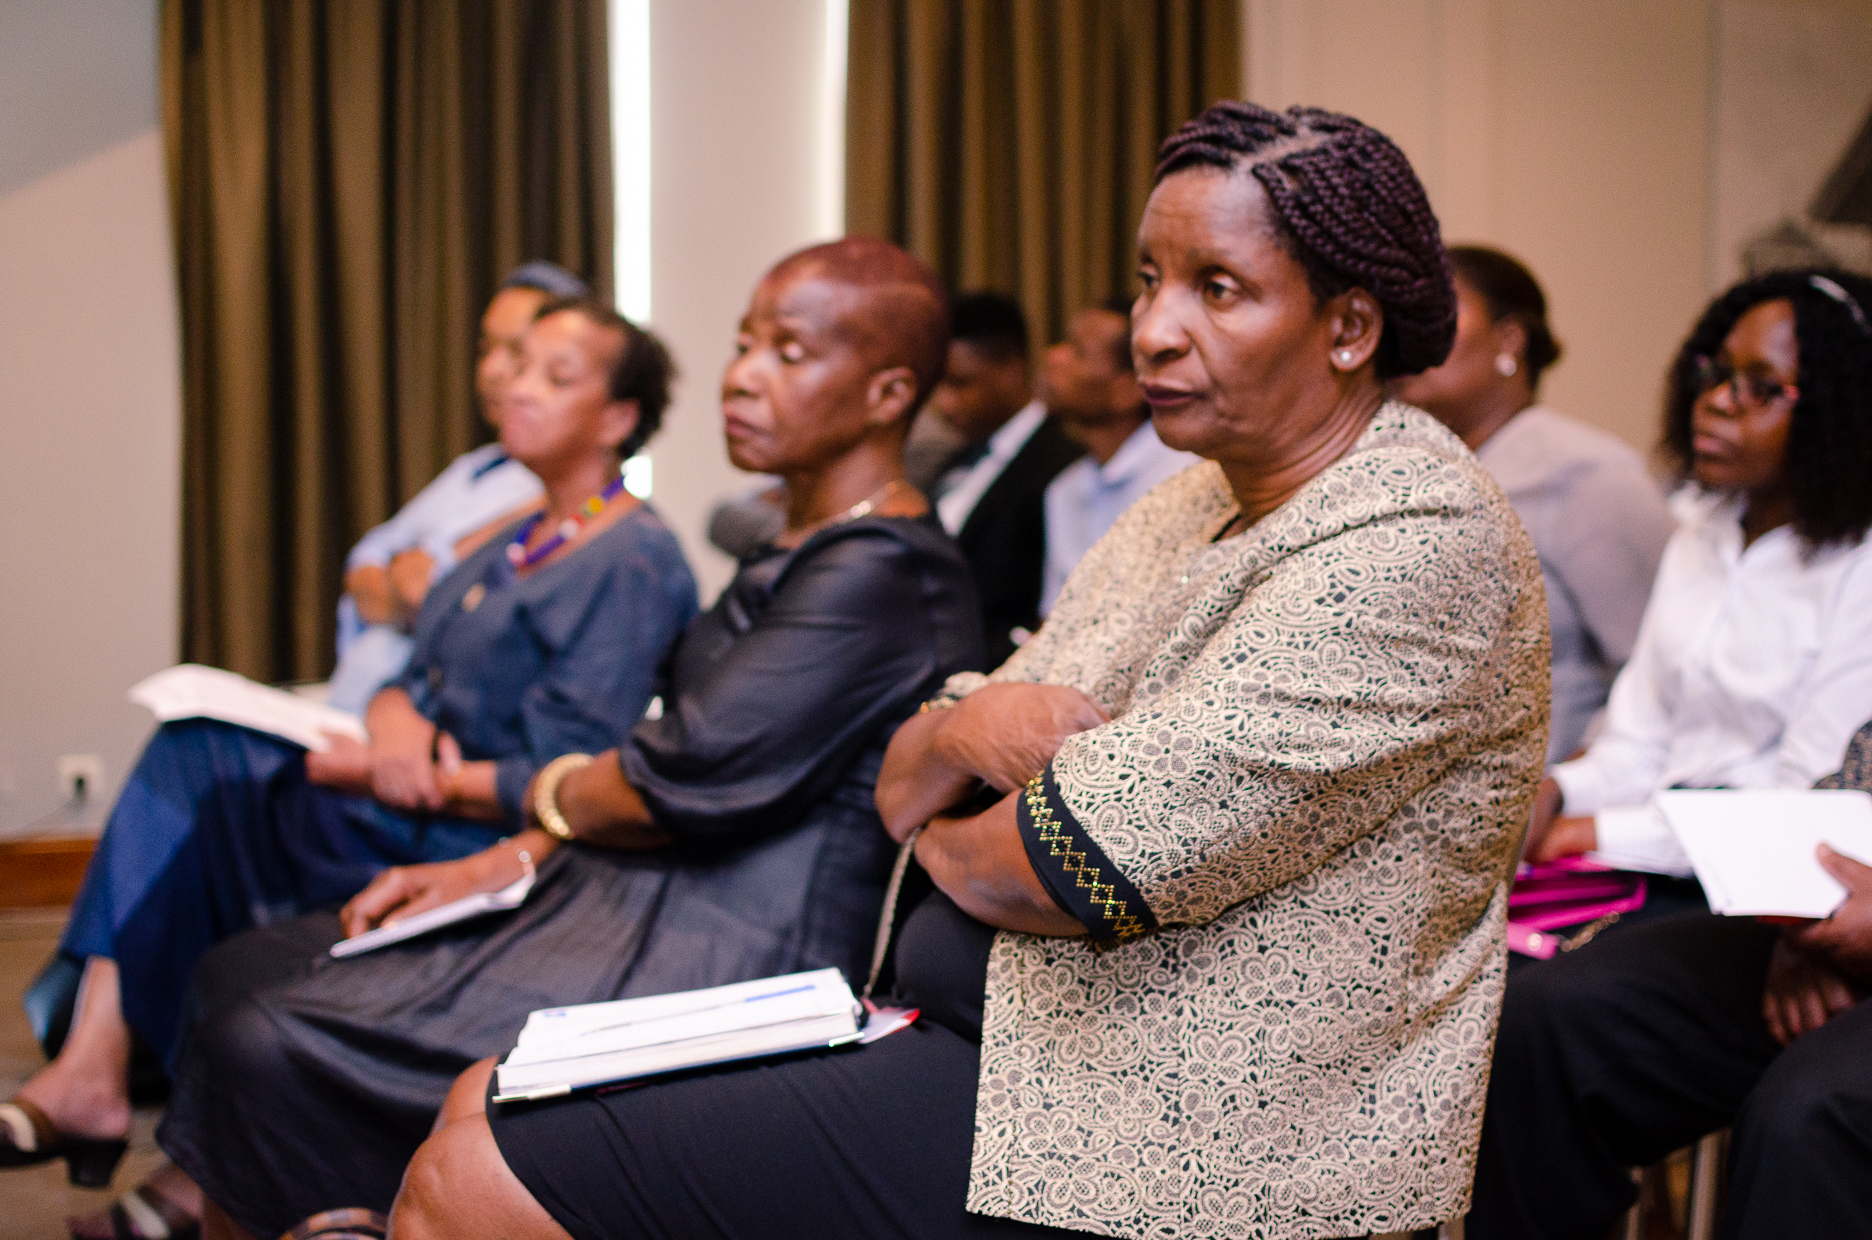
(1345, 357)
(1505, 365)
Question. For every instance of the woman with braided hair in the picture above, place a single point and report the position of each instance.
(1220, 857)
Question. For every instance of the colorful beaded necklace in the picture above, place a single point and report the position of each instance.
(520, 557)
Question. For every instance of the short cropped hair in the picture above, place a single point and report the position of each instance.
(1347, 206)
(642, 371)
(916, 321)
(1510, 291)
(991, 323)
(1828, 462)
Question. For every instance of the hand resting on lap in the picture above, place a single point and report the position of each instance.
(346, 766)
(406, 890)
(403, 775)
(1822, 968)
(1552, 835)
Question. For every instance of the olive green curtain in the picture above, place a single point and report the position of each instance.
(1010, 143)
(348, 180)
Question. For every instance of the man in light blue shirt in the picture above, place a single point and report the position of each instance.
(389, 571)
(1089, 386)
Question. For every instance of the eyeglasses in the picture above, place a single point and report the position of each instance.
(1754, 391)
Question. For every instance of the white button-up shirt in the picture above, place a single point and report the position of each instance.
(475, 489)
(1753, 670)
(961, 489)
(1086, 497)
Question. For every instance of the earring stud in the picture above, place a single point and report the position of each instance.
(1345, 356)
(1505, 365)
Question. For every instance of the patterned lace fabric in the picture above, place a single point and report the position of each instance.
(1856, 767)
(1326, 736)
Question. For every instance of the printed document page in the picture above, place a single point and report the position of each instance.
(1754, 850)
(191, 691)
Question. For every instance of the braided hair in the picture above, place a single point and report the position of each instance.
(1828, 459)
(642, 371)
(1347, 206)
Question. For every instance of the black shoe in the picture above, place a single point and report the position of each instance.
(28, 1137)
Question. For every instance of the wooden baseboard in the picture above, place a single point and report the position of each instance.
(42, 873)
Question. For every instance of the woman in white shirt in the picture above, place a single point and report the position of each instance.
(1754, 661)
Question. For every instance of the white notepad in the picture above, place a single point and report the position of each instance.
(562, 1049)
(191, 691)
(1754, 850)
(508, 897)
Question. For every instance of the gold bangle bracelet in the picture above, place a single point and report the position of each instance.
(546, 793)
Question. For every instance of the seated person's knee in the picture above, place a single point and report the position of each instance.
(467, 1097)
(459, 1185)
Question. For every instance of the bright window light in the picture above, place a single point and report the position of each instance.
(637, 476)
(630, 159)
(832, 120)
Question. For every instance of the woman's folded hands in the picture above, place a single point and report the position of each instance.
(1000, 736)
(403, 752)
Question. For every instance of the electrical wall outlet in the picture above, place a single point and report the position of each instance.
(81, 776)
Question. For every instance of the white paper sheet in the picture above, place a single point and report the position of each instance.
(191, 691)
(508, 897)
(562, 1049)
(1754, 850)
(1639, 839)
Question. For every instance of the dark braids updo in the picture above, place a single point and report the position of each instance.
(1349, 209)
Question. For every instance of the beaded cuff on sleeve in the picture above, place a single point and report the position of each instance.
(1075, 871)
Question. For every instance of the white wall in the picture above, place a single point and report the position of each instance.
(737, 164)
(1794, 79)
(90, 410)
(1622, 148)
(1574, 135)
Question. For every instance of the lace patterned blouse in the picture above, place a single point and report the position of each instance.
(1292, 844)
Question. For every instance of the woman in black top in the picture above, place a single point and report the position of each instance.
(732, 837)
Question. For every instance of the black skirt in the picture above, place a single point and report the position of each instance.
(306, 1083)
(869, 1141)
